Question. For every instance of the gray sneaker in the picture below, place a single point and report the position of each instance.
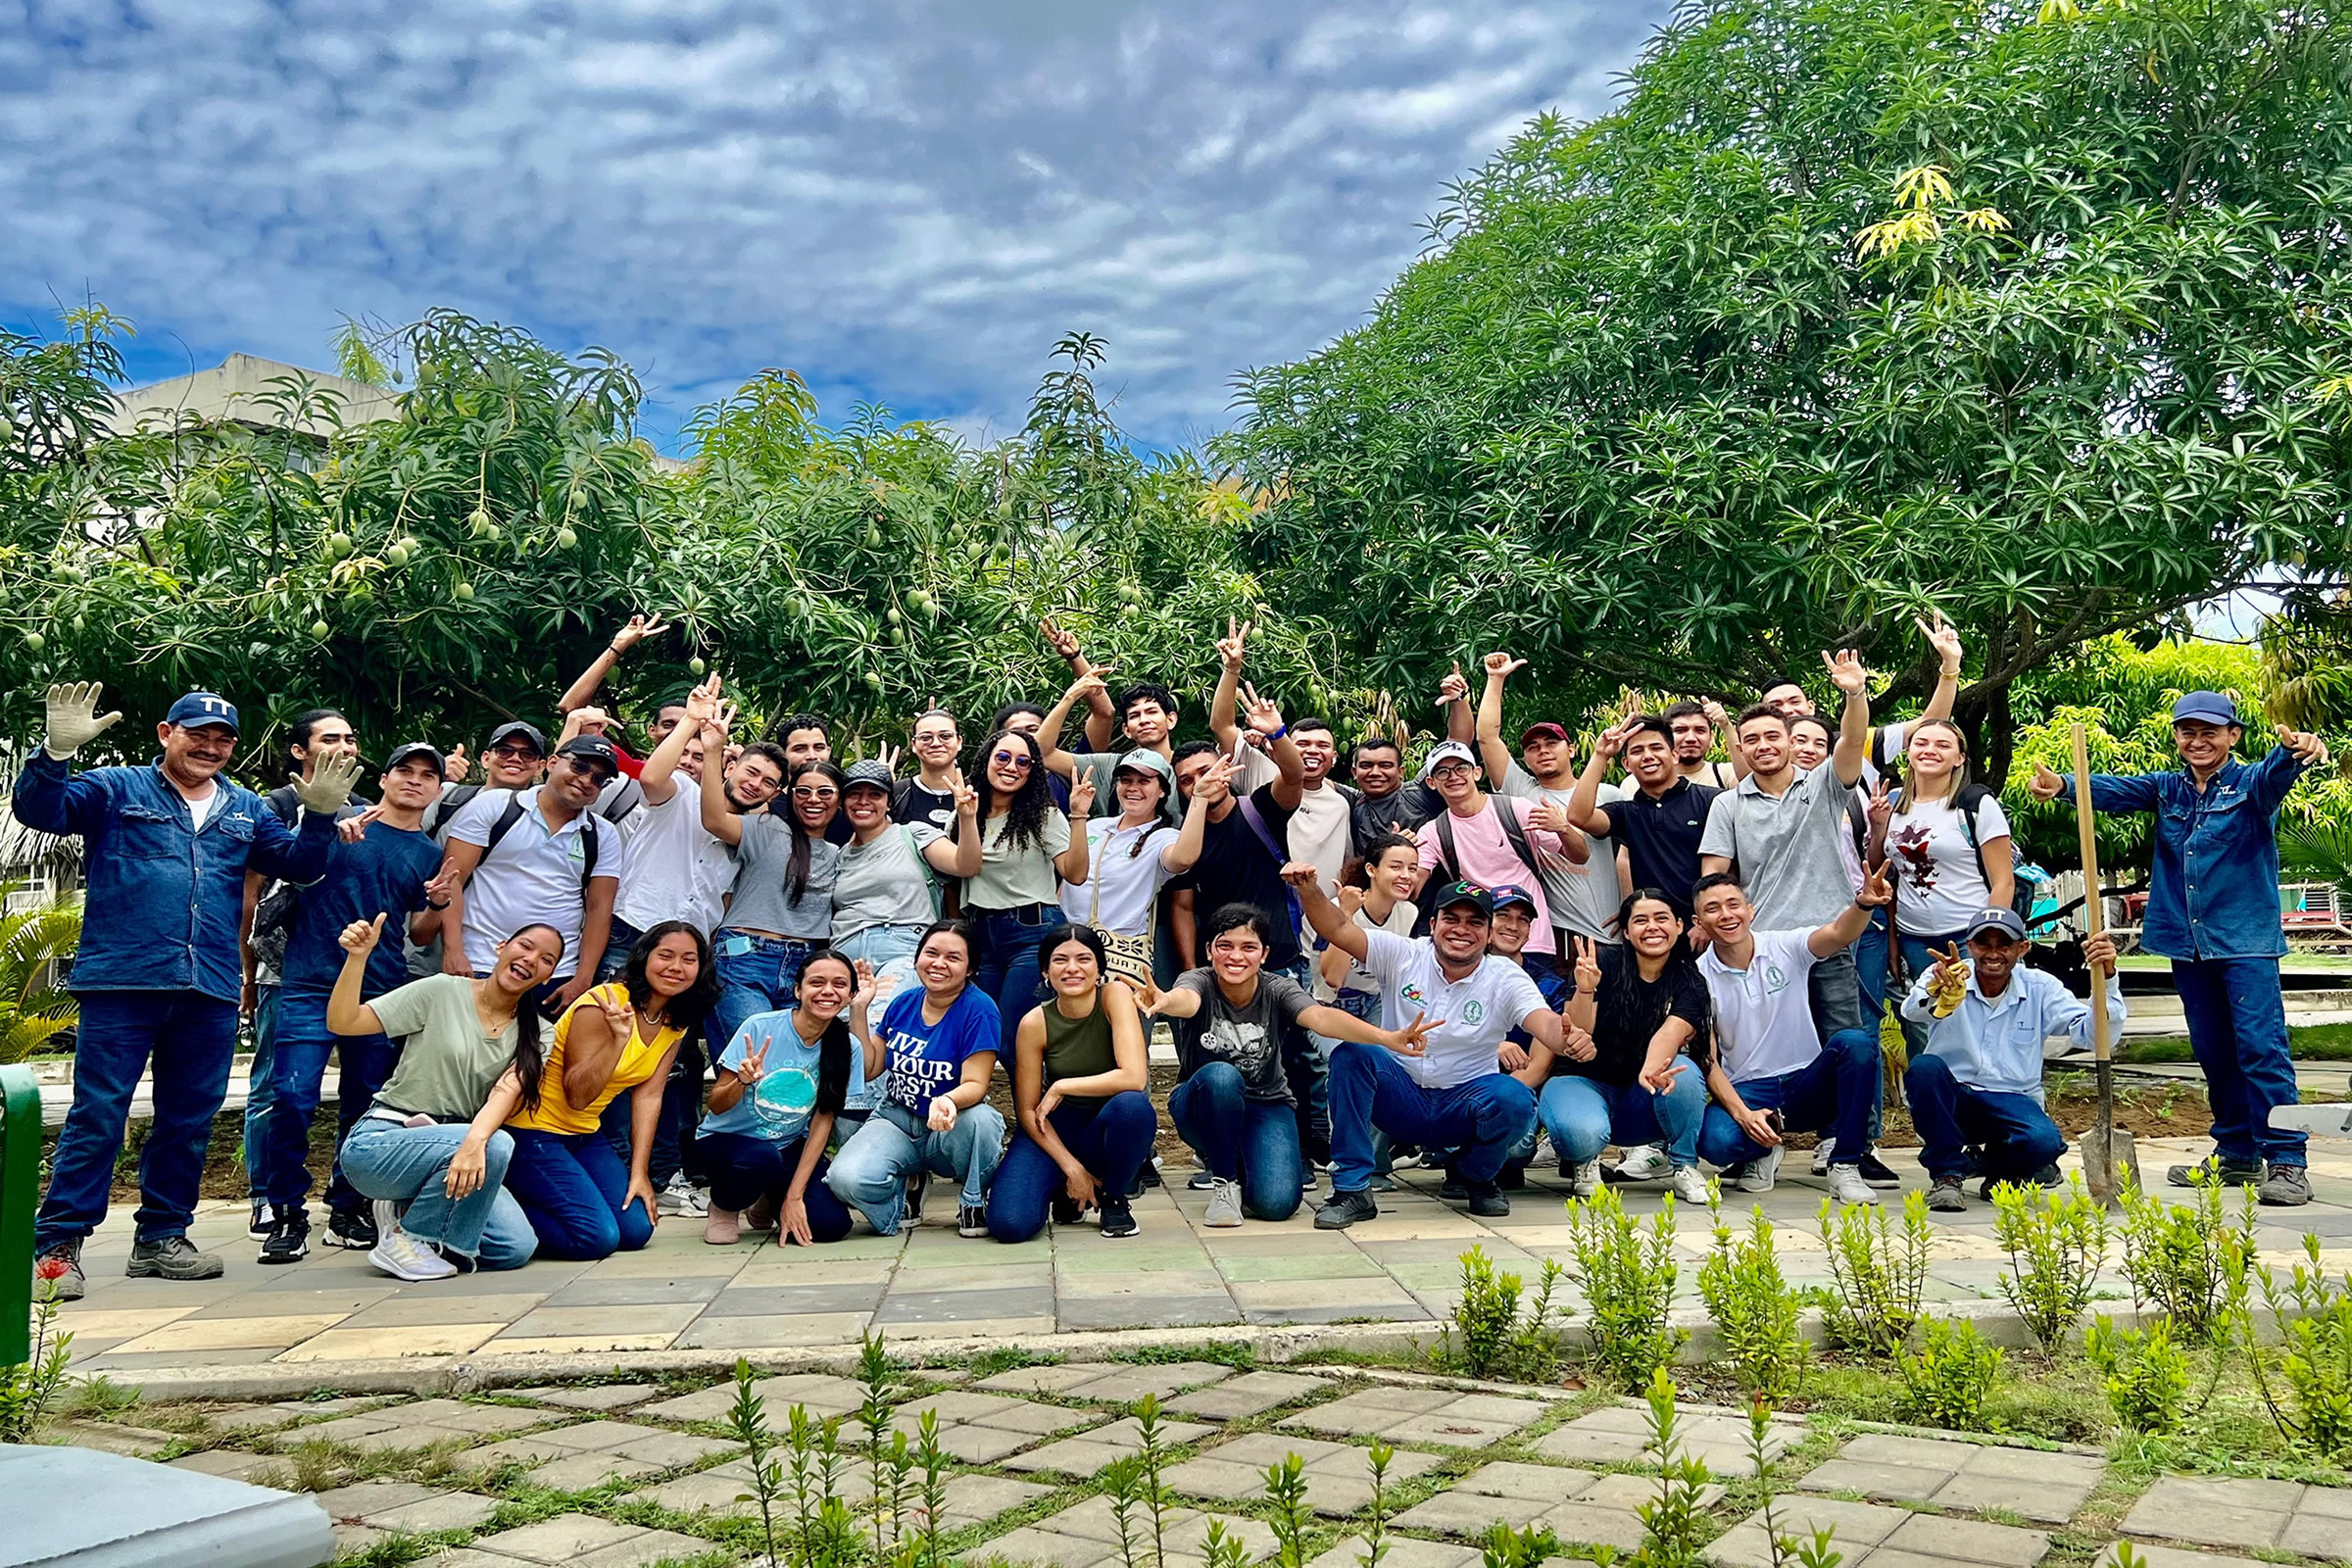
(58, 1271)
(1224, 1206)
(2287, 1187)
(1946, 1196)
(171, 1258)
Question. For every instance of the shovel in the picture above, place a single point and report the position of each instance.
(2109, 1160)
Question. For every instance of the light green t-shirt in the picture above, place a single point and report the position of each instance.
(448, 1065)
(1011, 877)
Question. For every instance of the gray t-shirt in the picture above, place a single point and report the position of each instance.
(885, 882)
(1011, 876)
(1582, 898)
(1786, 848)
(448, 1065)
(763, 902)
(1250, 1038)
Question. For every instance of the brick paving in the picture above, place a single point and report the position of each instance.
(2045, 1487)
(2311, 1521)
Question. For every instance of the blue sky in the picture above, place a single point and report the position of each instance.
(906, 202)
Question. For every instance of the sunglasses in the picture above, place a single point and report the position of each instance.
(514, 754)
(1014, 761)
(801, 791)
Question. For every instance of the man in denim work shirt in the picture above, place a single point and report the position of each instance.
(2213, 909)
(151, 980)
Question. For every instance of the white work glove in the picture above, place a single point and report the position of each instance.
(329, 787)
(73, 720)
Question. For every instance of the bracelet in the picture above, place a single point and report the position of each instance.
(1280, 733)
(430, 905)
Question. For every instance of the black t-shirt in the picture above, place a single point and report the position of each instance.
(1401, 812)
(1236, 868)
(1661, 837)
(1627, 1010)
(1251, 1038)
(917, 801)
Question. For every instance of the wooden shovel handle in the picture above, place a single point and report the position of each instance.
(2093, 905)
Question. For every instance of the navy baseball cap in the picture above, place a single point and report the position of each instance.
(2005, 922)
(199, 709)
(592, 749)
(1509, 892)
(1470, 893)
(2207, 708)
(402, 752)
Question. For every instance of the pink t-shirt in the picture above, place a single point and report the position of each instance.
(1487, 858)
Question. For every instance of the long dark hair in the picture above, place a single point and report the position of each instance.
(796, 871)
(1649, 1004)
(530, 1055)
(962, 931)
(1025, 812)
(833, 1047)
(1086, 936)
(689, 1006)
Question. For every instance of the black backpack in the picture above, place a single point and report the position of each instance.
(1450, 863)
(512, 814)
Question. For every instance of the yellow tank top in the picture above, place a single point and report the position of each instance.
(638, 1059)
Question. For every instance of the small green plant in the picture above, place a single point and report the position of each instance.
(1628, 1279)
(1753, 1308)
(2178, 1256)
(747, 1419)
(934, 1462)
(1876, 1273)
(1288, 1511)
(2057, 1244)
(1223, 1548)
(1784, 1549)
(2314, 1406)
(1506, 1548)
(1376, 1523)
(1672, 1522)
(1489, 1337)
(875, 1413)
(2144, 1374)
(1154, 1455)
(1123, 1483)
(1949, 1376)
(30, 1387)
(824, 1534)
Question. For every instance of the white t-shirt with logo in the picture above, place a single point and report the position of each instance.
(1763, 1014)
(1473, 1015)
(1940, 881)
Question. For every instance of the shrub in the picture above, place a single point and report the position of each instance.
(2057, 1244)
(1628, 1280)
(1947, 1379)
(1673, 1523)
(1489, 1338)
(1876, 1273)
(1753, 1308)
(2178, 1256)
(2314, 1407)
(2144, 1374)
(30, 1387)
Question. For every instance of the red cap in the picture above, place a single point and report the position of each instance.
(1546, 729)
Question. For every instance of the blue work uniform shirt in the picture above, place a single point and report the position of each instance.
(2212, 889)
(163, 898)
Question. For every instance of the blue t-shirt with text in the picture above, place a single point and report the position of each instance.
(384, 873)
(926, 1061)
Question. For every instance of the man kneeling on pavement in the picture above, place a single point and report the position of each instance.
(1975, 1088)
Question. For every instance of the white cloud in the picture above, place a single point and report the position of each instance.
(904, 200)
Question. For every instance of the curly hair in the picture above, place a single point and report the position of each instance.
(1025, 812)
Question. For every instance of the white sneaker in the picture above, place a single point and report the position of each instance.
(681, 1197)
(1821, 1155)
(1762, 1171)
(1584, 1178)
(1847, 1185)
(1645, 1163)
(1689, 1186)
(397, 1253)
(1224, 1204)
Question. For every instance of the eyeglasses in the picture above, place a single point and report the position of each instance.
(1450, 770)
(1014, 761)
(801, 791)
(514, 754)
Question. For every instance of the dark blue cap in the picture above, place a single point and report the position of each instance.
(2207, 708)
(199, 709)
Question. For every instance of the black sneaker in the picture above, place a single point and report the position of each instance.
(971, 1220)
(1117, 1218)
(1875, 1172)
(1487, 1201)
(917, 1185)
(2230, 1173)
(1512, 1178)
(1945, 1195)
(1147, 1175)
(257, 1224)
(1066, 1209)
(171, 1258)
(1383, 1184)
(1454, 1188)
(1201, 1182)
(289, 1236)
(2047, 1176)
(68, 1283)
(356, 1230)
(1344, 1209)
(2287, 1187)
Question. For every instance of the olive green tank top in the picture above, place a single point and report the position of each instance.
(1078, 1048)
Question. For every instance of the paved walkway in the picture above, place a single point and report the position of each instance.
(636, 1475)
(680, 1294)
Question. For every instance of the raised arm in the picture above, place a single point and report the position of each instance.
(716, 718)
(961, 855)
(1209, 788)
(1232, 649)
(1489, 724)
(2109, 792)
(1101, 721)
(346, 1014)
(1329, 923)
(1071, 863)
(1584, 810)
(1852, 752)
(578, 692)
(1454, 695)
(1087, 687)
(658, 777)
(1846, 930)
(1944, 638)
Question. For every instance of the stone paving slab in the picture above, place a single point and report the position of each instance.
(576, 1541)
(1090, 1451)
(595, 1397)
(984, 1428)
(1087, 1534)
(1110, 1383)
(1619, 1434)
(260, 1469)
(1250, 1393)
(2173, 1557)
(1436, 1416)
(972, 1499)
(1400, 1551)
(2283, 1515)
(2034, 1484)
(1577, 1505)
(822, 1396)
(405, 1505)
(1867, 1534)
(1338, 1475)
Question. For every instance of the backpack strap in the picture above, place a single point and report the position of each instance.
(930, 875)
(1448, 860)
(1514, 831)
(1265, 836)
(513, 813)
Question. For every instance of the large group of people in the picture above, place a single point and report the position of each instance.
(575, 985)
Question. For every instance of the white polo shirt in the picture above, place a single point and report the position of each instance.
(673, 868)
(532, 877)
(1477, 1011)
(1764, 1013)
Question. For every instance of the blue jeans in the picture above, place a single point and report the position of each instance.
(890, 948)
(1005, 965)
(1484, 1118)
(745, 1169)
(303, 1044)
(1306, 1063)
(1835, 993)
(1111, 1139)
(411, 1164)
(2238, 1032)
(618, 943)
(1584, 1116)
(1831, 1093)
(258, 1087)
(1254, 1140)
(1870, 965)
(572, 1187)
(2017, 1134)
(193, 1039)
(674, 1148)
(762, 977)
(869, 1173)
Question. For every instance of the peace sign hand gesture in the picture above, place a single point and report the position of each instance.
(1877, 890)
(1232, 646)
(1263, 715)
(1588, 967)
(1882, 804)
(1413, 1038)
(1943, 637)
(639, 629)
(754, 1062)
(967, 799)
(1082, 797)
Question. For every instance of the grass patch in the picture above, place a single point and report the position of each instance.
(1237, 1355)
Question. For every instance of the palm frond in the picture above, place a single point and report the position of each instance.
(2320, 851)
